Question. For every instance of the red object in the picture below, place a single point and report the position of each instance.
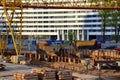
(118, 49)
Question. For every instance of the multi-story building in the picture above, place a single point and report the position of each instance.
(55, 24)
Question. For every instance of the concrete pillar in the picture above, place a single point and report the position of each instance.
(78, 36)
(87, 34)
(83, 34)
(58, 35)
(67, 34)
(63, 35)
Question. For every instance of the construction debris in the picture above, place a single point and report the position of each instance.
(17, 59)
(45, 73)
(52, 74)
(64, 75)
(25, 76)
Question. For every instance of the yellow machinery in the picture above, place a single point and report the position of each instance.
(86, 43)
(13, 11)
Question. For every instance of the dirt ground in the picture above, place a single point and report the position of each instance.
(83, 75)
(106, 74)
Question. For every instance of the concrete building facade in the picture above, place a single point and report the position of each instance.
(55, 23)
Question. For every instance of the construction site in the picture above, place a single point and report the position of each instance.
(52, 59)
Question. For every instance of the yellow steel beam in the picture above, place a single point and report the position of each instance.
(73, 3)
(3, 38)
(9, 18)
(67, 4)
(9, 24)
(20, 32)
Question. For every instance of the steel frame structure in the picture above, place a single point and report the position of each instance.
(12, 27)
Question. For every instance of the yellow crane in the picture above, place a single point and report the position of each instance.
(3, 38)
(13, 12)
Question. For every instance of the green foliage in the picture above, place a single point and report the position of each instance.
(114, 22)
(75, 35)
(72, 35)
(104, 14)
(115, 18)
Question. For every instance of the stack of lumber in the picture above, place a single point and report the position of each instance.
(25, 76)
(45, 73)
(64, 75)
(69, 66)
(16, 59)
(59, 65)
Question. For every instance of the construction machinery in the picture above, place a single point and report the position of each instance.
(13, 12)
(86, 43)
(92, 44)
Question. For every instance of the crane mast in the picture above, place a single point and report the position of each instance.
(14, 9)
(11, 11)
